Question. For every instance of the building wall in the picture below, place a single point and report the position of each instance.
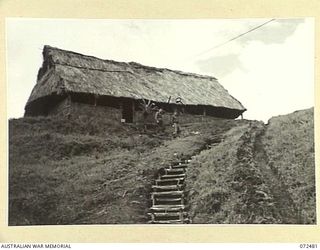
(82, 110)
(182, 118)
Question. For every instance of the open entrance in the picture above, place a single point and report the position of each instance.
(127, 111)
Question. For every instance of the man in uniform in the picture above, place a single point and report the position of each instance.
(158, 117)
(175, 122)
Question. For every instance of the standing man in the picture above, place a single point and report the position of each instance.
(158, 117)
(175, 122)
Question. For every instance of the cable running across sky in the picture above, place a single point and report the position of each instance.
(234, 38)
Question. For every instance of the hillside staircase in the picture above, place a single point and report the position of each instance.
(167, 196)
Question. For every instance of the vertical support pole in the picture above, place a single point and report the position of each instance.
(133, 112)
(181, 215)
(95, 100)
(69, 106)
(153, 202)
(121, 110)
(204, 114)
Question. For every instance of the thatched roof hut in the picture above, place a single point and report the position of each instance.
(65, 72)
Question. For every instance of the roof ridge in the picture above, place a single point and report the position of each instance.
(88, 74)
(48, 47)
(130, 64)
(88, 68)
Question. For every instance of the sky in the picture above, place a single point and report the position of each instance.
(269, 70)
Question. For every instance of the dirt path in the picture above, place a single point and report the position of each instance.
(284, 204)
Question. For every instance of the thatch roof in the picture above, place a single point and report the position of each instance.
(66, 71)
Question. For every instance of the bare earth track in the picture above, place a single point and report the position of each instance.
(285, 207)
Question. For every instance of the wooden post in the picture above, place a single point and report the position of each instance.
(204, 114)
(95, 100)
(69, 106)
(181, 215)
(133, 111)
(153, 202)
(121, 110)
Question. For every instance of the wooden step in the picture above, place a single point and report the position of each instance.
(167, 208)
(170, 171)
(167, 194)
(168, 213)
(168, 187)
(180, 165)
(168, 216)
(168, 199)
(172, 176)
(168, 221)
(182, 170)
(169, 182)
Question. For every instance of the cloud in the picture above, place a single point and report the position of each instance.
(225, 59)
(274, 32)
(220, 66)
(261, 60)
(279, 77)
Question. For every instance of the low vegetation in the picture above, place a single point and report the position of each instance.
(289, 144)
(97, 171)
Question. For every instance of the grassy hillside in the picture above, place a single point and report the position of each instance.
(257, 174)
(289, 144)
(91, 171)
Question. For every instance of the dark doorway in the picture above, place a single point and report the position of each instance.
(127, 111)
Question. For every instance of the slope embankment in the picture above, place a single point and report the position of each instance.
(289, 146)
(257, 174)
(91, 171)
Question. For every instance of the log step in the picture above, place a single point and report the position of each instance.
(169, 171)
(172, 176)
(168, 221)
(168, 213)
(166, 196)
(180, 165)
(168, 193)
(167, 208)
(169, 182)
(162, 201)
(167, 187)
(167, 216)
(167, 199)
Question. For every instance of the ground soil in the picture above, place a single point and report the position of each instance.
(82, 171)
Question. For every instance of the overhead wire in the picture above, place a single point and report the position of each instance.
(234, 38)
